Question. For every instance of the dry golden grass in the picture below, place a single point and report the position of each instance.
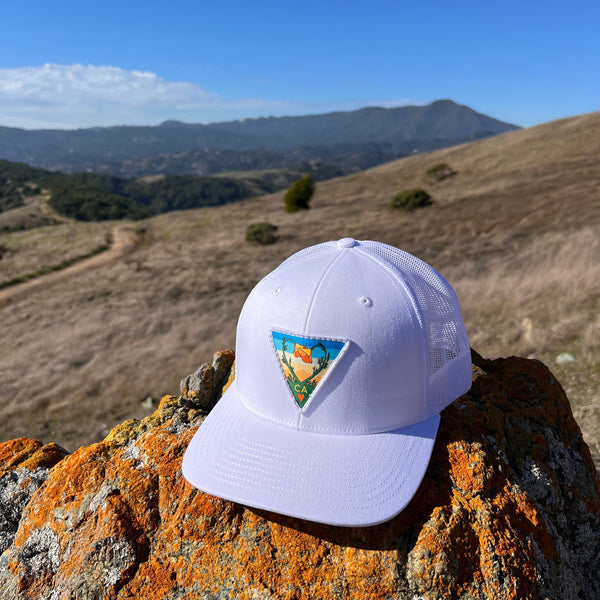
(515, 231)
(27, 216)
(30, 251)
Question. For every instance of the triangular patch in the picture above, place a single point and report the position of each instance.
(305, 361)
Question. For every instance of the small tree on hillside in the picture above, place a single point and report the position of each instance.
(439, 171)
(410, 200)
(263, 233)
(299, 195)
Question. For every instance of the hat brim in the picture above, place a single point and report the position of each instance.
(347, 480)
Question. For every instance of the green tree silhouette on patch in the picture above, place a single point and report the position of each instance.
(303, 388)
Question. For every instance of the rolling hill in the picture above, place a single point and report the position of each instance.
(514, 229)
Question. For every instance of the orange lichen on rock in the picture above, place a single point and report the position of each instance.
(24, 467)
(15, 451)
(509, 508)
(25, 453)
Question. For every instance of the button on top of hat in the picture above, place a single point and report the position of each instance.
(346, 243)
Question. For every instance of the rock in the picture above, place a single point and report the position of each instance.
(205, 385)
(222, 365)
(509, 508)
(564, 357)
(149, 403)
(24, 466)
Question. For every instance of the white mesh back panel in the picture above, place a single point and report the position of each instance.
(446, 374)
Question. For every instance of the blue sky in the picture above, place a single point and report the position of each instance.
(69, 64)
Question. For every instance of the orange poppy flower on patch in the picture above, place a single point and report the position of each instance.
(303, 353)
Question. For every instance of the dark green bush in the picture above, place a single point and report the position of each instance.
(299, 195)
(410, 199)
(439, 171)
(30, 189)
(263, 233)
(10, 195)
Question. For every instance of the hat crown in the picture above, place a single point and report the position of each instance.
(400, 350)
(346, 353)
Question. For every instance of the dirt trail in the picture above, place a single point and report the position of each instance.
(124, 239)
(48, 211)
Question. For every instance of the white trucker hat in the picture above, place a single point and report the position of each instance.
(345, 356)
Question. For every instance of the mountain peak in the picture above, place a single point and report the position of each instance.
(172, 123)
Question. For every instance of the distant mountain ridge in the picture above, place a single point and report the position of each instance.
(390, 131)
(322, 162)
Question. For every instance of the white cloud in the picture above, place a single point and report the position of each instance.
(71, 96)
(77, 95)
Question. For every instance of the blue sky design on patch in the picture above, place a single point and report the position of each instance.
(332, 346)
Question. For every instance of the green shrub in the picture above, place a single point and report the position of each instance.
(263, 233)
(30, 189)
(299, 195)
(410, 199)
(439, 171)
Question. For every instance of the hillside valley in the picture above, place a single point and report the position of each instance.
(515, 229)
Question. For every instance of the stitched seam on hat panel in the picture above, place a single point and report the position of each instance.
(265, 415)
(248, 466)
(322, 250)
(385, 265)
(304, 254)
(336, 258)
(300, 256)
(360, 430)
(326, 430)
(407, 457)
(257, 448)
(231, 478)
(246, 444)
(414, 450)
(252, 459)
(271, 418)
(244, 448)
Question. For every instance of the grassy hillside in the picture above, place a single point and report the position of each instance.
(24, 253)
(515, 230)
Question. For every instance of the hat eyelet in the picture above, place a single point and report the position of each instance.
(276, 291)
(364, 301)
